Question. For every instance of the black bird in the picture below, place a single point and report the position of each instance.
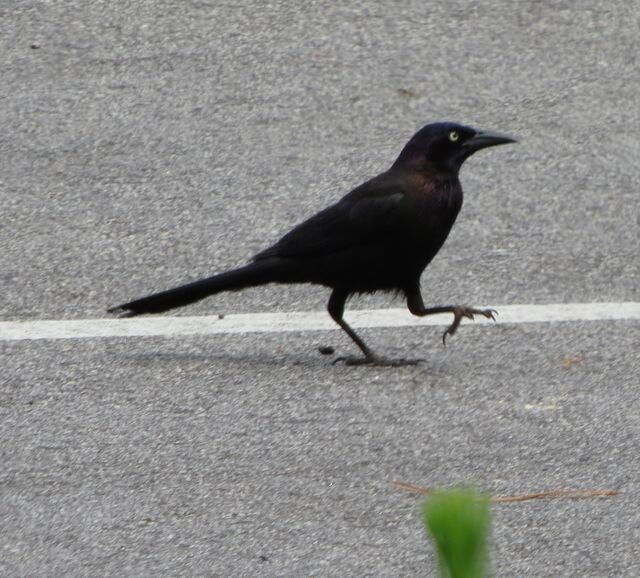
(379, 237)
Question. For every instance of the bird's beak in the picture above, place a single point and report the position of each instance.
(487, 138)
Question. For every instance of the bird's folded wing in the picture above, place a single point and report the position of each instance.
(355, 220)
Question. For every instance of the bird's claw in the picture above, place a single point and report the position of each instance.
(469, 312)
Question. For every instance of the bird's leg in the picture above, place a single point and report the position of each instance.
(416, 306)
(336, 310)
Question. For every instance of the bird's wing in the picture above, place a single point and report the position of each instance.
(365, 215)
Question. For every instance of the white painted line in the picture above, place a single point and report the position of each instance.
(299, 321)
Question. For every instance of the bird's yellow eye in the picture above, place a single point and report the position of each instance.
(454, 136)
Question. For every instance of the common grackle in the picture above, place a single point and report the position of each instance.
(378, 237)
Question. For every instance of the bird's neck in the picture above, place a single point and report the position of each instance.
(427, 173)
(414, 161)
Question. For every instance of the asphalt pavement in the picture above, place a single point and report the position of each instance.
(146, 144)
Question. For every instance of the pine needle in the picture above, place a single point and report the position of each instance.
(550, 494)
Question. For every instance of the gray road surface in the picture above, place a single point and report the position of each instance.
(144, 144)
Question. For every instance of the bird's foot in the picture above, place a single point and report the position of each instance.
(460, 311)
(377, 361)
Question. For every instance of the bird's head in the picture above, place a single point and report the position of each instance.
(444, 146)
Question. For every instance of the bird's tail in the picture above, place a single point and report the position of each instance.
(257, 273)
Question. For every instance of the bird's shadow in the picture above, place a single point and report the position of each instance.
(334, 360)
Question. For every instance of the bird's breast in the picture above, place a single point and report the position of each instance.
(434, 211)
(445, 194)
(438, 203)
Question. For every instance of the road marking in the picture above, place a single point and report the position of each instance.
(299, 321)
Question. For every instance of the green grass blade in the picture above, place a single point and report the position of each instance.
(458, 522)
